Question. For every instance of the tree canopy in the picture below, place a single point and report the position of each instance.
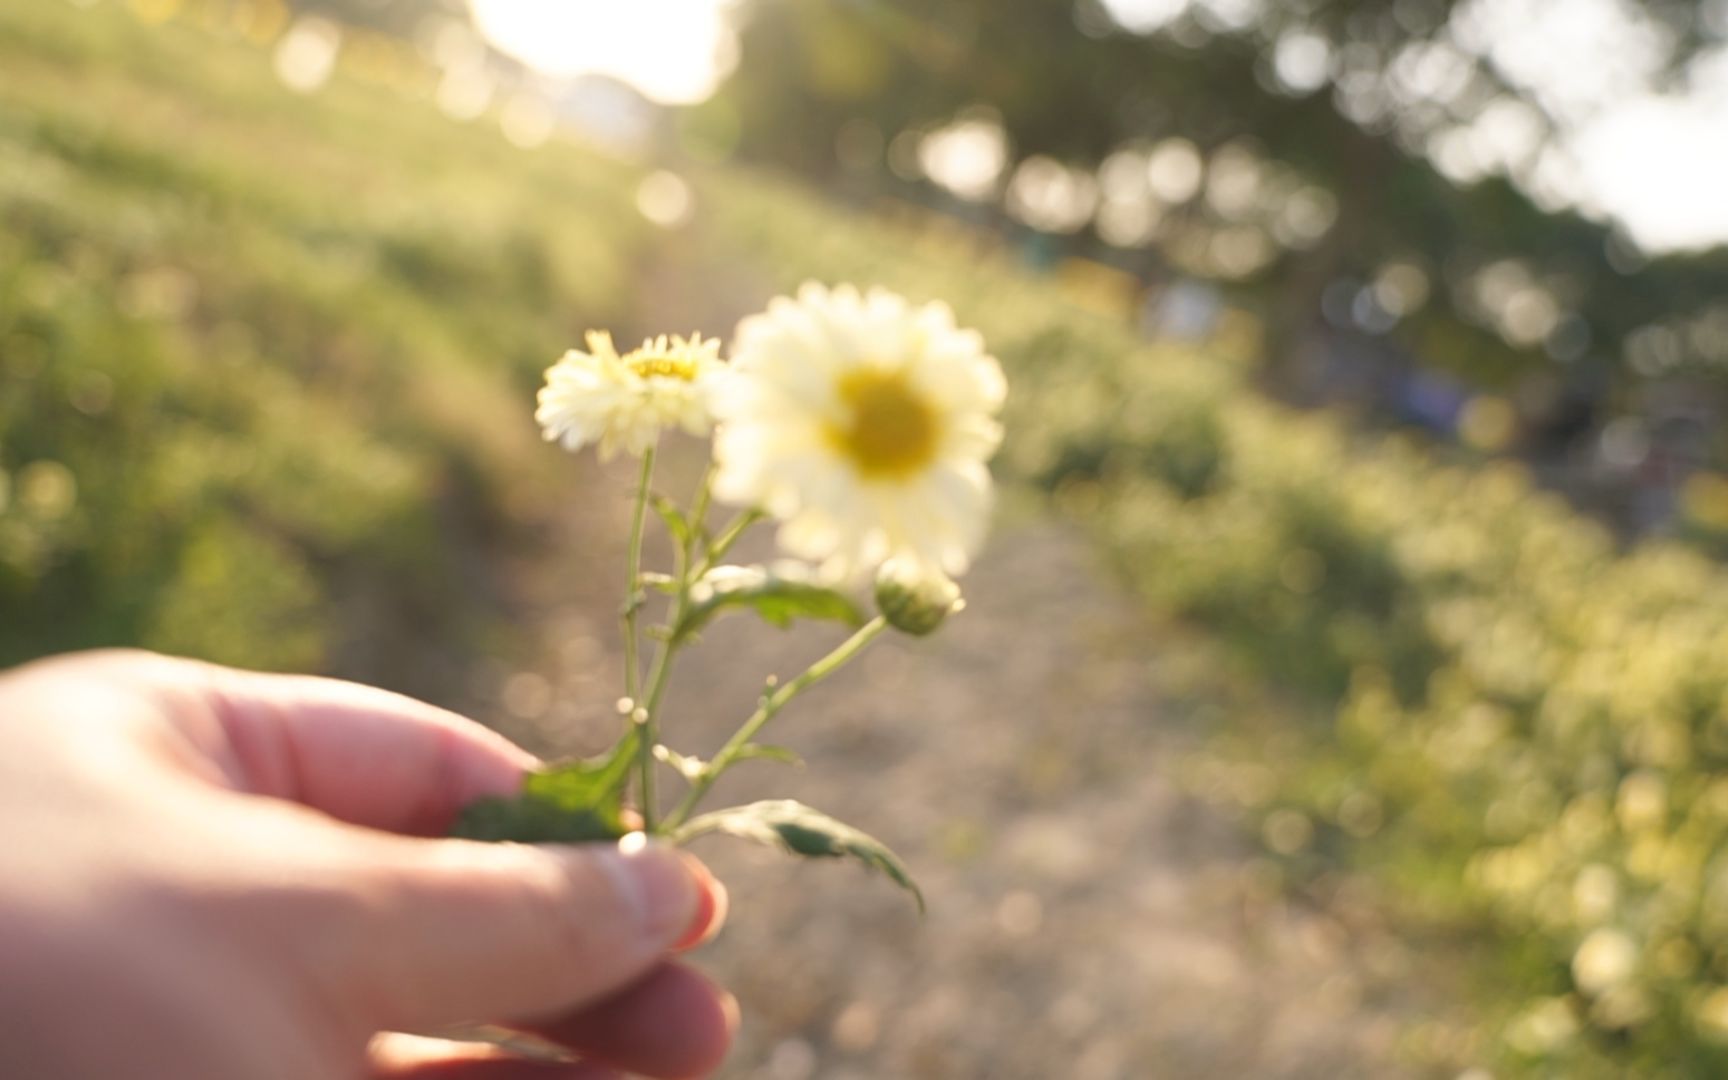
(1344, 145)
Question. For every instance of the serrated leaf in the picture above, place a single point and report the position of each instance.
(778, 594)
(570, 803)
(799, 830)
(676, 523)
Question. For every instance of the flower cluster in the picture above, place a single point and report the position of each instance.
(860, 422)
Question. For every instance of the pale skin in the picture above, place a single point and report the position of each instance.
(207, 874)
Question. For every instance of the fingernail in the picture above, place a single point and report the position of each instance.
(712, 904)
(655, 884)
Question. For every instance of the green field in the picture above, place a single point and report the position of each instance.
(264, 369)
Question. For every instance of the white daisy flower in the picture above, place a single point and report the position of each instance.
(624, 402)
(863, 424)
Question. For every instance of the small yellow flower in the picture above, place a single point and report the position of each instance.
(864, 424)
(624, 402)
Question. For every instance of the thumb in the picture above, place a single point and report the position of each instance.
(454, 930)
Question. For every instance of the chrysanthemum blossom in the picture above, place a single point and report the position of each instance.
(624, 402)
(864, 424)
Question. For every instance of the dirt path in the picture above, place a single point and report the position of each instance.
(1088, 920)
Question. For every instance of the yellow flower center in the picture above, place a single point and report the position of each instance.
(671, 367)
(890, 432)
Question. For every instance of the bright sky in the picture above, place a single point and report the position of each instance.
(674, 51)
(1660, 165)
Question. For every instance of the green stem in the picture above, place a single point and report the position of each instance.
(729, 536)
(632, 663)
(659, 672)
(699, 509)
(662, 665)
(771, 704)
(633, 584)
(685, 554)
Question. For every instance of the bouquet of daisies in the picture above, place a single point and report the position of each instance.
(860, 424)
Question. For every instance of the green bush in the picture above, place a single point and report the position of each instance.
(1507, 719)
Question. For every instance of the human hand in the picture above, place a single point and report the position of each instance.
(208, 874)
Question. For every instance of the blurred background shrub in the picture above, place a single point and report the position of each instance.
(1502, 712)
(256, 349)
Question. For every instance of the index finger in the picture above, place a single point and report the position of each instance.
(359, 754)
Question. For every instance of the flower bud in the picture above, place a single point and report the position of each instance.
(915, 599)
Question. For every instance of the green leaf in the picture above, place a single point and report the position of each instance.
(796, 828)
(676, 523)
(779, 594)
(570, 803)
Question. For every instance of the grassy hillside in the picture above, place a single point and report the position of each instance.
(265, 359)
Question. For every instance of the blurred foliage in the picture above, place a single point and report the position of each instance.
(262, 382)
(1507, 718)
(1326, 183)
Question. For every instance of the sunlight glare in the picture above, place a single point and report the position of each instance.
(1661, 166)
(673, 51)
(967, 156)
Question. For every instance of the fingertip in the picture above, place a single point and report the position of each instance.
(656, 884)
(712, 905)
(731, 1013)
(677, 898)
(469, 929)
